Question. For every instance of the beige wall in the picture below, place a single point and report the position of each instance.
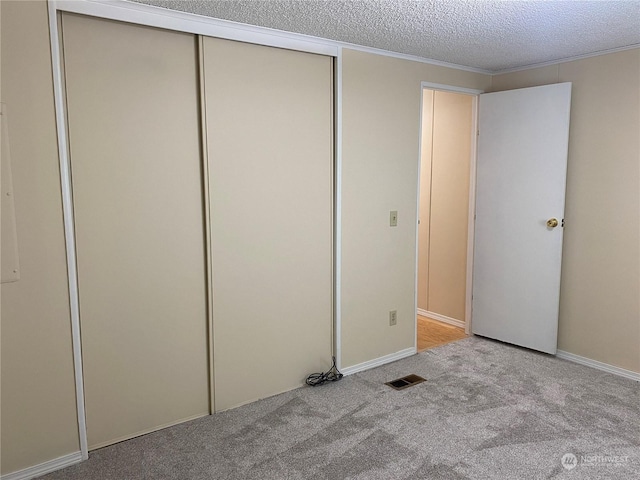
(381, 108)
(600, 288)
(38, 396)
(446, 208)
(453, 121)
(381, 113)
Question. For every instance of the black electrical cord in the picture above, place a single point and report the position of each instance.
(333, 375)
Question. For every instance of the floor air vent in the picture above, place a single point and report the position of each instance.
(405, 382)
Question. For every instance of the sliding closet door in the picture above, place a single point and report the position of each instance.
(133, 113)
(269, 137)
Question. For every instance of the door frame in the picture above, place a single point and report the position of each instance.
(472, 197)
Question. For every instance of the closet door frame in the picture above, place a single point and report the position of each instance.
(140, 14)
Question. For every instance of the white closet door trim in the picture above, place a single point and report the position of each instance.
(417, 220)
(200, 25)
(337, 252)
(69, 227)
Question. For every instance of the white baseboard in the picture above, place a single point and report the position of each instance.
(376, 362)
(605, 367)
(44, 468)
(441, 318)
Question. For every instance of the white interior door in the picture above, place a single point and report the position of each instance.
(521, 175)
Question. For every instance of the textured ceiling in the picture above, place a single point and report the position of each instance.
(488, 35)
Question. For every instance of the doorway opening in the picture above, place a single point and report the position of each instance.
(445, 218)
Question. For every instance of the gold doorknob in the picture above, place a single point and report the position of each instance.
(552, 223)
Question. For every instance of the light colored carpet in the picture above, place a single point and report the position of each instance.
(487, 411)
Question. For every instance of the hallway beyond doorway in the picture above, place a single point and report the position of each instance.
(432, 333)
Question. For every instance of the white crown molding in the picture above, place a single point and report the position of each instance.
(564, 60)
(44, 468)
(605, 367)
(413, 58)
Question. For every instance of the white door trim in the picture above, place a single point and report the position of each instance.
(69, 226)
(472, 216)
(450, 88)
(415, 287)
(337, 214)
(472, 197)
